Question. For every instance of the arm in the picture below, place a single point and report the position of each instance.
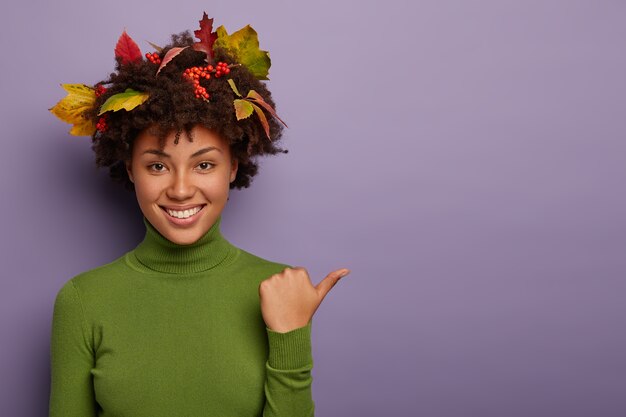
(288, 374)
(71, 358)
(288, 302)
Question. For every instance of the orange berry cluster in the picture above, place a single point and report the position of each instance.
(222, 68)
(100, 89)
(154, 58)
(102, 124)
(195, 74)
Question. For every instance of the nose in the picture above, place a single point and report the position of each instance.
(181, 186)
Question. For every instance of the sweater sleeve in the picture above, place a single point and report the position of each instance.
(288, 377)
(71, 358)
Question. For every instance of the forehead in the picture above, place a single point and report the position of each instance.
(201, 138)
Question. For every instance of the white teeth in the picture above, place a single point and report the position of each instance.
(183, 214)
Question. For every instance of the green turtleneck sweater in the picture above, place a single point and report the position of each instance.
(176, 331)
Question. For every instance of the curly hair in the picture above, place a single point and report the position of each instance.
(173, 107)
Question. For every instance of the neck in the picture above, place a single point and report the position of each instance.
(157, 253)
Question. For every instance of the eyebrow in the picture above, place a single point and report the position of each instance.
(166, 155)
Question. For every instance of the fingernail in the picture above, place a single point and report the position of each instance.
(343, 274)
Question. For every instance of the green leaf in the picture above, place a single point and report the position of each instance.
(243, 108)
(244, 46)
(127, 100)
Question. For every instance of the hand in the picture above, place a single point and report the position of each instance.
(289, 299)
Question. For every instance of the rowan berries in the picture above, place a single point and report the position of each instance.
(102, 125)
(221, 69)
(194, 74)
(154, 58)
(100, 89)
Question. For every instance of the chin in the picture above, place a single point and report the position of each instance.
(187, 239)
(185, 235)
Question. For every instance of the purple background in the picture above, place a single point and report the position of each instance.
(465, 159)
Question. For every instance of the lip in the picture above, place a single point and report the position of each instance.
(183, 222)
(181, 208)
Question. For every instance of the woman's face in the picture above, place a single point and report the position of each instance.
(183, 188)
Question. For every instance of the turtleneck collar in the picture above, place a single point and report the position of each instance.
(156, 253)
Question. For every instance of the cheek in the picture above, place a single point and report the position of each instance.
(147, 189)
(216, 186)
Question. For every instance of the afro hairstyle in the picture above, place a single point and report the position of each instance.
(172, 106)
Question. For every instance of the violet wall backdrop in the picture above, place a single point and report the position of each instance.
(465, 159)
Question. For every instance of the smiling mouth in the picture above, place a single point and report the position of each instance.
(183, 214)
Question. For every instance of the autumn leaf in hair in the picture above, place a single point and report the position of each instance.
(127, 100)
(127, 50)
(72, 108)
(243, 45)
(171, 54)
(206, 38)
(246, 105)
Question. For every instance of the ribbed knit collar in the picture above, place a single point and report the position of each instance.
(157, 253)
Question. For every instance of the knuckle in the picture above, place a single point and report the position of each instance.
(300, 269)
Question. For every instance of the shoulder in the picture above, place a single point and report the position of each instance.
(94, 281)
(258, 264)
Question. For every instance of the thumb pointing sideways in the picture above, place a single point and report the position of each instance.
(330, 280)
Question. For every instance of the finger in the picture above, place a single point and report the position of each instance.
(330, 280)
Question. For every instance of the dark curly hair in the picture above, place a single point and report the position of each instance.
(173, 106)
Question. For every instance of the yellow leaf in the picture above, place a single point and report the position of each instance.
(243, 109)
(83, 128)
(71, 109)
(233, 87)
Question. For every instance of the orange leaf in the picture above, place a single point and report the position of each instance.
(259, 100)
(263, 119)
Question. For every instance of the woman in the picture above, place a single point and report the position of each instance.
(185, 324)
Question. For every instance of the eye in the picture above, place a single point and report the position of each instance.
(205, 166)
(157, 166)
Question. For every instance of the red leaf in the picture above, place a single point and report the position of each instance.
(127, 50)
(263, 119)
(206, 36)
(171, 54)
